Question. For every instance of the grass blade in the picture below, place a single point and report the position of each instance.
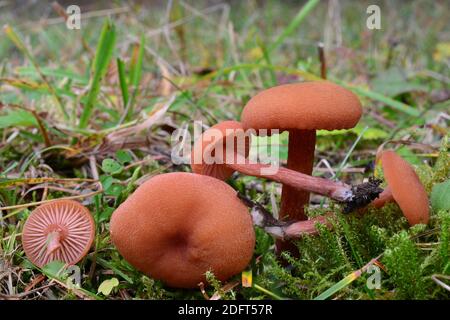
(301, 15)
(345, 281)
(135, 73)
(99, 68)
(14, 37)
(394, 104)
(123, 82)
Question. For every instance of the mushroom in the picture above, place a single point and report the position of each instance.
(284, 230)
(301, 109)
(177, 226)
(404, 187)
(230, 139)
(60, 230)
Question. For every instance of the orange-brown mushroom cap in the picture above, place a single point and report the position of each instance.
(224, 132)
(177, 226)
(59, 230)
(305, 106)
(407, 190)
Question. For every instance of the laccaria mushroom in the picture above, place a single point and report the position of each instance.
(404, 187)
(301, 109)
(177, 226)
(60, 230)
(230, 139)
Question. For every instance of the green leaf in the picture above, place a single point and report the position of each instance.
(440, 196)
(105, 215)
(111, 166)
(54, 268)
(115, 190)
(17, 118)
(107, 182)
(123, 156)
(102, 58)
(393, 82)
(107, 286)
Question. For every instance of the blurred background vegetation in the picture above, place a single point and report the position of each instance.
(101, 103)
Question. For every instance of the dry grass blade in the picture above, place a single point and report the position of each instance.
(42, 180)
(121, 137)
(437, 278)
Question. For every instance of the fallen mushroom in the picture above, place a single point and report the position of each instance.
(285, 230)
(177, 226)
(301, 109)
(60, 230)
(230, 139)
(404, 187)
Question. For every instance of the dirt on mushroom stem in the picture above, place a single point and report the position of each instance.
(363, 194)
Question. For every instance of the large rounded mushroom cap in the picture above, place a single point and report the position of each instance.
(60, 230)
(406, 187)
(177, 226)
(218, 136)
(305, 106)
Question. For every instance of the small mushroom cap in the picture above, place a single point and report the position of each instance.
(70, 220)
(406, 187)
(306, 106)
(177, 226)
(207, 142)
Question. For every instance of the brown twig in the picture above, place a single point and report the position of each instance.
(323, 61)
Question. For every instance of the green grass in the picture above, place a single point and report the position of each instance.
(65, 93)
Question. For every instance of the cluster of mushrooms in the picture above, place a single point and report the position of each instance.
(177, 226)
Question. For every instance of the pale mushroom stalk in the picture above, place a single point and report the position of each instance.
(284, 230)
(299, 182)
(54, 241)
(204, 161)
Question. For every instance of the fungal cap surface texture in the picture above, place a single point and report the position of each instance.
(177, 226)
(407, 190)
(305, 106)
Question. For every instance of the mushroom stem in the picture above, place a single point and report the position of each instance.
(384, 197)
(298, 181)
(300, 158)
(284, 230)
(54, 241)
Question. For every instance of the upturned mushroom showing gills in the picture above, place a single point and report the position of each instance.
(404, 187)
(230, 139)
(301, 109)
(60, 230)
(177, 226)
